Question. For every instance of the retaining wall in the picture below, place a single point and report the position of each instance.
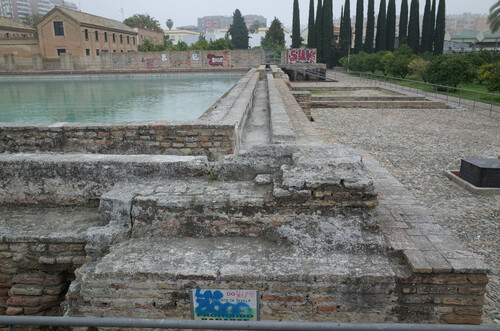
(141, 61)
(214, 134)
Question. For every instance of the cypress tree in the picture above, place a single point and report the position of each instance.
(358, 41)
(347, 30)
(327, 32)
(380, 41)
(426, 33)
(239, 31)
(319, 31)
(432, 25)
(370, 27)
(440, 28)
(311, 34)
(403, 23)
(296, 38)
(341, 27)
(414, 27)
(391, 25)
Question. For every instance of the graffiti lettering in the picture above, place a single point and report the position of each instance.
(211, 307)
(215, 60)
(302, 56)
(152, 63)
(195, 57)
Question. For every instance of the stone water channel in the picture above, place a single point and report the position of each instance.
(250, 196)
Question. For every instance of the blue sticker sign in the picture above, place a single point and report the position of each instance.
(224, 305)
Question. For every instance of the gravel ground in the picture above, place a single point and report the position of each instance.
(416, 146)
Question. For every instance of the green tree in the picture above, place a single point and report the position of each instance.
(494, 17)
(275, 37)
(296, 38)
(319, 31)
(181, 46)
(143, 20)
(403, 23)
(440, 28)
(345, 30)
(370, 28)
(255, 27)
(220, 44)
(391, 25)
(311, 31)
(432, 26)
(358, 39)
(170, 24)
(427, 34)
(239, 31)
(32, 20)
(328, 32)
(201, 44)
(414, 27)
(490, 74)
(397, 63)
(418, 67)
(380, 40)
(449, 71)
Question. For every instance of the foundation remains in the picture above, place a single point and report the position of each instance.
(111, 225)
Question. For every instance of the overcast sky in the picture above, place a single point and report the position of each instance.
(186, 12)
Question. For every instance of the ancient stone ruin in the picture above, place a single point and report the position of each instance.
(124, 220)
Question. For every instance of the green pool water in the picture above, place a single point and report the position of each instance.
(168, 97)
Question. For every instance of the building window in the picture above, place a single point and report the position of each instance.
(87, 52)
(97, 52)
(97, 36)
(121, 39)
(58, 29)
(61, 51)
(105, 36)
(128, 40)
(86, 34)
(133, 39)
(114, 38)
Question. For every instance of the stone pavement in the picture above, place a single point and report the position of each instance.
(415, 146)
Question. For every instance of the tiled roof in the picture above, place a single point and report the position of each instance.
(88, 19)
(9, 23)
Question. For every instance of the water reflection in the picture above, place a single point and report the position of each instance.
(170, 98)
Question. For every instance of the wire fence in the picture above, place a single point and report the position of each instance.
(462, 98)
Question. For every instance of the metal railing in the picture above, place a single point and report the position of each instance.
(448, 94)
(13, 321)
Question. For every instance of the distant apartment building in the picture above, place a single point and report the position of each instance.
(83, 35)
(17, 9)
(467, 21)
(224, 22)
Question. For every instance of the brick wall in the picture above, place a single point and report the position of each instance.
(442, 298)
(150, 138)
(284, 298)
(150, 61)
(304, 100)
(35, 275)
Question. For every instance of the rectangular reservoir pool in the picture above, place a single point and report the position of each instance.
(114, 98)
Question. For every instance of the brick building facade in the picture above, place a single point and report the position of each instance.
(83, 35)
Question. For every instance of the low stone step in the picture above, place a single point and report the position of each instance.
(153, 277)
(380, 104)
(319, 98)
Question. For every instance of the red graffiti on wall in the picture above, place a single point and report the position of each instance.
(302, 56)
(152, 63)
(215, 60)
